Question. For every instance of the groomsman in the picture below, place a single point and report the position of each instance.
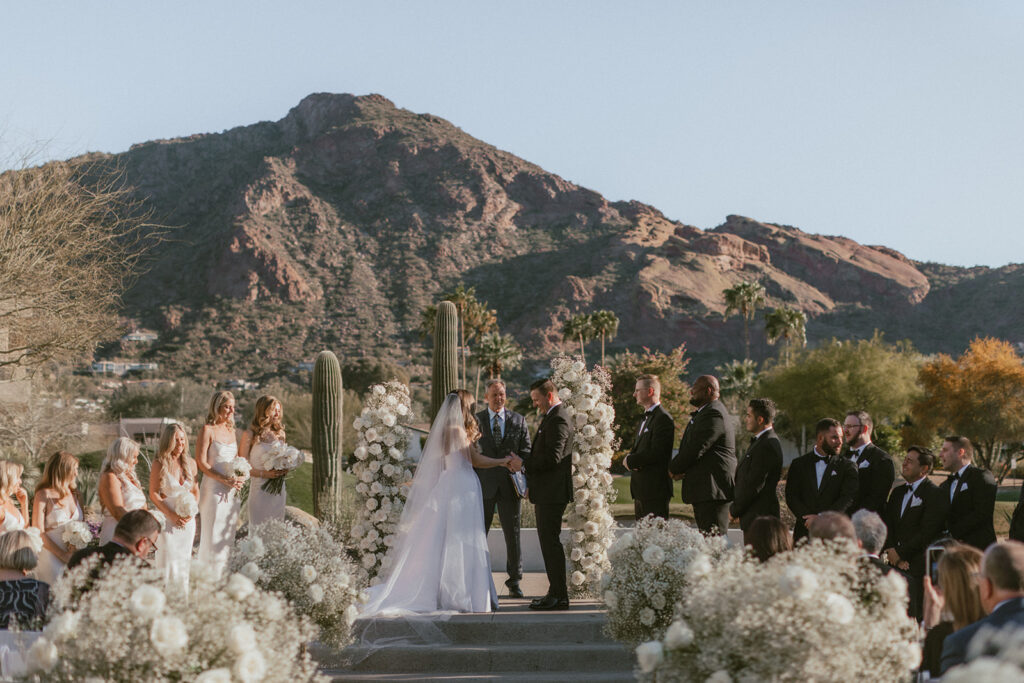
(971, 492)
(503, 432)
(876, 470)
(549, 479)
(914, 515)
(820, 480)
(706, 461)
(757, 474)
(649, 481)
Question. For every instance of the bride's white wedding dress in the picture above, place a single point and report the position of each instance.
(439, 561)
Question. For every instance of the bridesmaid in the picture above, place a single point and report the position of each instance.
(54, 504)
(13, 499)
(218, 498)
(257, 440)
(173, 470)
(119, 489)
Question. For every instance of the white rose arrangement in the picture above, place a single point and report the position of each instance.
(309, 568)
(382, 472)
(585, 394)
(241, 468)
(126, 628)
(280, 456)
(651, 569)
(817, 613)
(76, 534)
(182, 502)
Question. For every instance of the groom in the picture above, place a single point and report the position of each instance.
(549, 479)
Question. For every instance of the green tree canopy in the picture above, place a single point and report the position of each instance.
(604, 324)
(744, 298)
(787, 324)
(579, 328)
(675, 393)
(496, 352)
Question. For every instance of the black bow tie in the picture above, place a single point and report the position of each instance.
(821, 458)
(955, 476)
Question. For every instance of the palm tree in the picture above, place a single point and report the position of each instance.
(475, 319)
(744, 298)
(496, 352)
(737, 378)
(578, 328)
(788, 324)
(605, 324)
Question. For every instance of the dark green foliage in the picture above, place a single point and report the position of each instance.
(669, 367)
(326, 433)
(444, 378)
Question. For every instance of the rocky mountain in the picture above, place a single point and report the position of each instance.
(336, 225)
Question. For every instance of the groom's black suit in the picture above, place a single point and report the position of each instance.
(496, 482)
(549, 479)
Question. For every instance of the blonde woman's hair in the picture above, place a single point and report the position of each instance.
(16, 551)
(9, 471)
(118, 460)
(59, 474)
(959, 568)
(472, 428)
(164, 452)
(216, 401)
(262, 422)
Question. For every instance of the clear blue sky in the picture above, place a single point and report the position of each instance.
(895, 123)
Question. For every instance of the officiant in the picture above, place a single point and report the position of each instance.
(503, 432)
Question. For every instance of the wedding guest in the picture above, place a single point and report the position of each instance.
(649, 481)
(174, 472)
(136, 535)
(758, 472)
(871, 532)
(119, 488)
(876, 470)
(971, 492)
(706, 460)
(831, 526)
(914, 515)
(54, 505)
(258, 441)
(218, 496)
(1001, 587)
(1017, 520)
(23, 600)
(766, 537)
(820, 480)
(503, 432)
(952, 605)
(13, 498)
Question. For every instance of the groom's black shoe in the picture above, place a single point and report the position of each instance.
(551, 603)
(514, 591)
(537, 601)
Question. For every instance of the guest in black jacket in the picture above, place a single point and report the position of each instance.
(971, 492)
(706, 461)
(758, 471)
(135, 536)
(650, 483)
(876, 470)
(820, 480)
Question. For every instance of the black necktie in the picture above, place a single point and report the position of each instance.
(496, 427)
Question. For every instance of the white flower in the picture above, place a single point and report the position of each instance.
(183, 502)
(658, 601)
(378, 389)
(252, 546)
(168, 636)
(62, 626)
(371, 504)
(241, 638)
(611, 599)
(42, 656)
(586, 405)
(402, 409)
(375, 449)
(699, 566)
(389, 420)
(388, 469)
(649, 655)
(591, 528)
(375, 467)
(361, 453)
(316, 594)
(215, 675)
(35, 538)
(371, 435)
(375, 487)
(250, 667)
(654, 555)
(678, 635)
(564, 394)
(647, 616)
(395, 453)
(576, 554)
(581, 419)
(578, 578)
(351, 613)
(589, 431)
(578, 366)
(147, 602)
(240, 587)
(798, 583)
(720, 676)
(309, 573)
(840, 609)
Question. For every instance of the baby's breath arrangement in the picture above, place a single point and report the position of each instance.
(651, 568)
(309, 567)
(125, 629)
(993, 656)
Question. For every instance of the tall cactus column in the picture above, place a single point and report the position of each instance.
(445, 376)
(327, 432)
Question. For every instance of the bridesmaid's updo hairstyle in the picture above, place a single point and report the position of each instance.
(472, 428)
(59, 474)
(118, 460)
(218, 399)
(9, 472)
(165, 451)
(262, 420)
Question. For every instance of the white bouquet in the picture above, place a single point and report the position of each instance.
(241, 468)
(35, 537)
(281, 456)
(76, 534)
(183, 502)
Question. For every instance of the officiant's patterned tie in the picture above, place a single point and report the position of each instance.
(496, 427)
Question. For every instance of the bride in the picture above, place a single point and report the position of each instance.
(439, 561)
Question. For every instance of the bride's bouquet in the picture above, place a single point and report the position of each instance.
(240, 467)
(183, 502)
(76, 534)
(281, 456)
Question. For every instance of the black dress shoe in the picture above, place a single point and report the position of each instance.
(514, 591)
(550, 604)
(537, 601)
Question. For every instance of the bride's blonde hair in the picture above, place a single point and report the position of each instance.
(469, 419)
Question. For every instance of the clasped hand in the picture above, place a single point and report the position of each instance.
(513, 462)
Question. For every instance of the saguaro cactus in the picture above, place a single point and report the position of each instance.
(327, 432)
(445, 377)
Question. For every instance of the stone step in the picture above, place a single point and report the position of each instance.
(485, 677)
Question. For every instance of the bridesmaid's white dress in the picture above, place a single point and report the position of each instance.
(133, 499)
(13, 521)
(218, 509)
(264, 506)
(174, 550)
(50, 566)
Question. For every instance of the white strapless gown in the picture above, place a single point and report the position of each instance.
(133, 499)
(264, 506)
(50, 567)
(174, 550)
(218, 509)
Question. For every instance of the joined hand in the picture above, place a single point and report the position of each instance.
(514, 464)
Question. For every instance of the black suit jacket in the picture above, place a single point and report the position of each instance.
(919, 526)
(970, 513)
(648, 461)
(1017, 521)
(838, 488)
(549, 464)
(954, 649)
(707, 456)
(757, 476)
(876, 472)
(515, 439)
(107, 553)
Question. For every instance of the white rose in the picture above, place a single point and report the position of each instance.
(371, 435)
(241, 638)
(147, 602)
(576, 555)
(700, 566)
(402, 409)
(586, 405)
(250, 667)
(654, 555)
(251, 570)
(168, 635)
(388, 470)
(678, 635)
(591, 528)
(361, 452)
(589, 431)
(564, 394)
(798, 583)
(578, 578)
(378, 390)
(371, 504)
(840, 609)
(240, 587)
(215, 675)
(578, 366)
(578, 536)
(390, 439)
(368, 561)
(366, 476)
(649, 655)
(309, 573)
(375, 449)
(316, 593)
(581, 420)
(351, 613)
(575, 457)
(658, 601)
(581, 495)
(376, 488)
(611, 599)
(389, 420)
(647, 616)
(362, 488)
(62, 626)
(42, 656)
(395, 453)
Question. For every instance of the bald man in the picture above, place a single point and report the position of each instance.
(706, 461)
